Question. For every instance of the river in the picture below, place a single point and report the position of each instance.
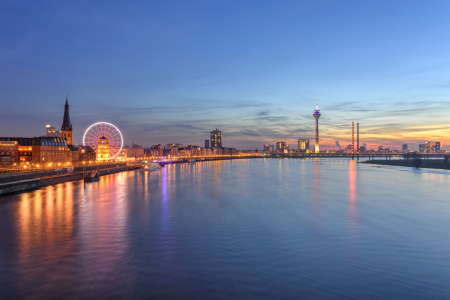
(242, 229)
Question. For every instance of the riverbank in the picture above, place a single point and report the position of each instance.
(36, 183)
(426, 163)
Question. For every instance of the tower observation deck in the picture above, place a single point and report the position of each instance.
(317, 115)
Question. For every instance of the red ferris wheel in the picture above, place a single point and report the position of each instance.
(104, 129)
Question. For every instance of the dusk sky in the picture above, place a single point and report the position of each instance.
(172, 71)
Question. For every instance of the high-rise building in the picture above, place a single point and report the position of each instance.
(380, 149)
(103, 149)
(303, 145)
(66, 127)
(427, 147)
(404, 147)
(281, 146)
(437, 147)
(317, 115)
(206, 143)
(216, 138)
(51, 131)
(422, 148)
(266, 147)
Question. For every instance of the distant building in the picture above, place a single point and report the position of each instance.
(303, 145)
(281, 146)
(380, 148)
(427, 147)
(51, 131)
(404, 147)
(170, 146)
(86, 154)
(438, 147)
(216, 138)
(103, 149)
(362, 149)
(422, 148)
(206, 143)
(135, 151)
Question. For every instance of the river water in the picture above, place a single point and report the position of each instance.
(243, 229)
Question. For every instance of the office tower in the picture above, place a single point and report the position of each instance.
(206, 143)
(266, 147)
(216, 138)
(303, 145)
(422, 148)
(427, 147)
(437, 147)
(317, 115)
(281, 146)
(272, 148)
(404, 147)
(66, 127)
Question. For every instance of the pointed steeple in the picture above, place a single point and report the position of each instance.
(66, 125)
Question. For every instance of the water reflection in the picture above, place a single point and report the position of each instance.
(262, 229)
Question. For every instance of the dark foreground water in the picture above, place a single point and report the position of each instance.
(248, 229)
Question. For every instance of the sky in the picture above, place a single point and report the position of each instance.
(172, 71)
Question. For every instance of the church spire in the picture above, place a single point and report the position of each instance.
(66, 125)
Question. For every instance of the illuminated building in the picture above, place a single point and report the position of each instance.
(281, 146)
(216, 138)
(9, 151)
(206, 143)
(122, 156)
(66, 127)
(427, 147)
(87, 154)
(404, 147)
(317, 115)
(266, 147)
(437, 147)
(380, 149)
(135, 151)
(170, 146)
(103, 149)
(422, 148)
(35, 150)
(51, 131)
(303, 145)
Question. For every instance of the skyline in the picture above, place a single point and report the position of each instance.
(171, 73)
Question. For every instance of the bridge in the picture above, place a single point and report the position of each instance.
(358, 155)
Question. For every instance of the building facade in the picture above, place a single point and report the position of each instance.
(303, 145)
(216, 138)
(51, 131)
(281, 146)
(206, 143)
(103, 149)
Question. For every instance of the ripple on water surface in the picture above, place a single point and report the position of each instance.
(244, 229)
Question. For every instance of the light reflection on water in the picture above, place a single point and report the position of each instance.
(261, 229)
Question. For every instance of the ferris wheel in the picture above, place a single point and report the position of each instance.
(104, 129)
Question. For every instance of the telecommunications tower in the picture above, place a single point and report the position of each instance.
(316, 115)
